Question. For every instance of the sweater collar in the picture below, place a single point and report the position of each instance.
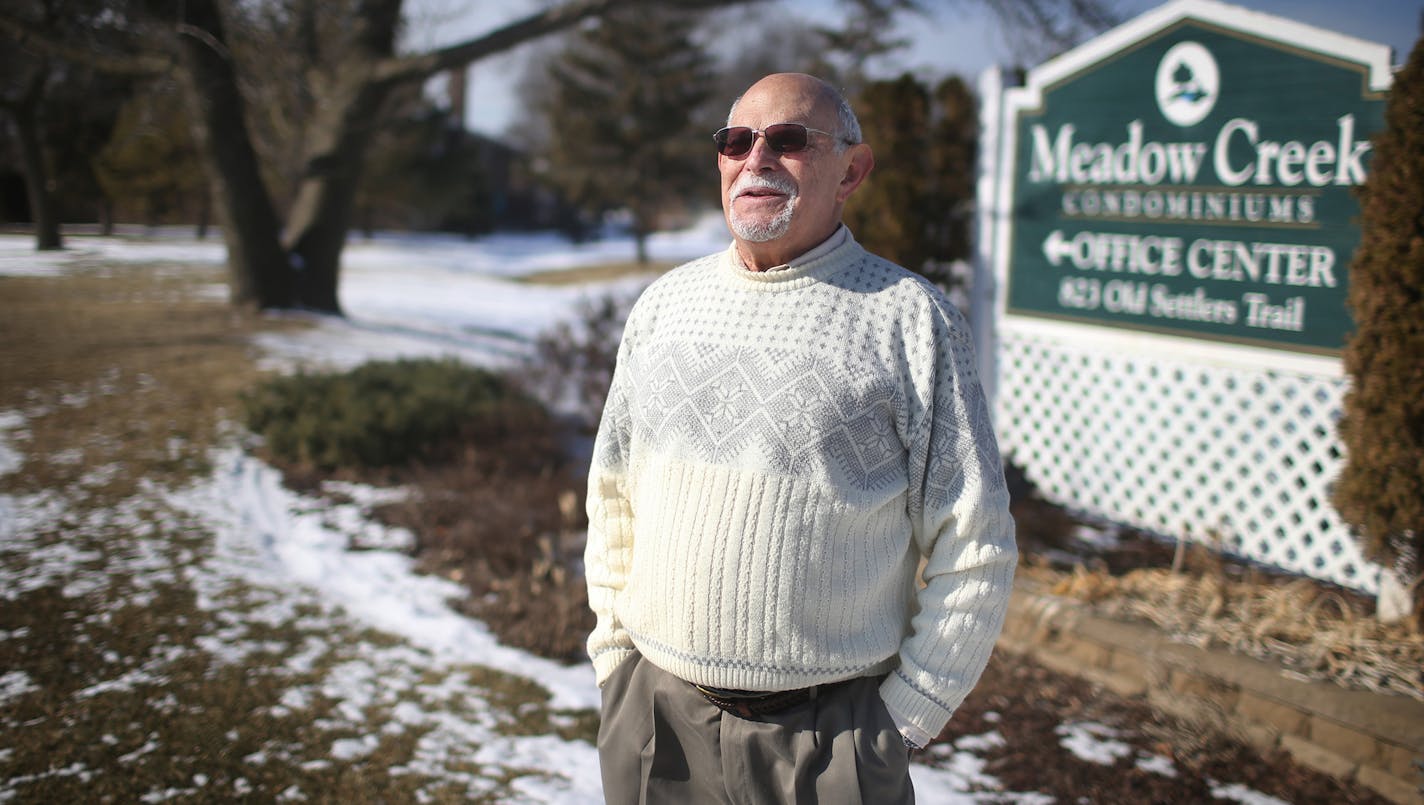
(818, 251)
(831, 255)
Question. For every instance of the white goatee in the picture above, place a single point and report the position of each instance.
(760, 231)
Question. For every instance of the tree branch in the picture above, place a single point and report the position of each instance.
(35, 37)
(421, 66)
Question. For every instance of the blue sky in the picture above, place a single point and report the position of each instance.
(956, 36)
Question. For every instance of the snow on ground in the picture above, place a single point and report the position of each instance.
(405, 296)
(270, 537)
(10, 458)
(1095, 743)
(130, 245)
(271, 532)
(436, 296)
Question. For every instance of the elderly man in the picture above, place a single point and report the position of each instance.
(795, 428)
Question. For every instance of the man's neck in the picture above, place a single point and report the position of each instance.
(775, 253)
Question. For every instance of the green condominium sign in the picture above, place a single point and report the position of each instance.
(1196, 180)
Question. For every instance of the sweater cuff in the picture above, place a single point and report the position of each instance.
(608, 661)
(916, 716)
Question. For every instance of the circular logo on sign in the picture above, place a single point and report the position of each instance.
(1187, 83)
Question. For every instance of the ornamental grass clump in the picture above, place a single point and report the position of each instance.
(387, 414)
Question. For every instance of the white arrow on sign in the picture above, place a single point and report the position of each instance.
(1055, 248)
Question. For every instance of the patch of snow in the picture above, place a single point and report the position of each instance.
(1093, 742)
(354, 748)
(14, 684)
(282, 536)
(1157, 764)
(148, 748)
(68, 457)
(101, 475)
(46, 564)
(366, 495)
(10, 458)
(18, 258)
(1241, 793)
(1100, 538)
(979, 743)
(958, 778)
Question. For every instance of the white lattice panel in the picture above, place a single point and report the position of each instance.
(1242, 458)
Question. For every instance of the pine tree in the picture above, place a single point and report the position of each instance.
(1381, 489)
(953, 146)
(889, 213)
(916, 206)
(150, 164)
(620, 116)
(865, 36)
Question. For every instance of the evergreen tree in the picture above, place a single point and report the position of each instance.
(1381, 489)
(954, 143)
(916, 207)
(150, 163)
(620, 114)
(890, 212)
(423, 165)
(864, 36)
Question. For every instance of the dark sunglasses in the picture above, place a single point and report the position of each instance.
(783, 138)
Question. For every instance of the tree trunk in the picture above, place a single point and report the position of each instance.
(644, 221)
(322, 212)
(205, 211)
(106, 216)
(640, 245)
(259, 270)
(37, 177)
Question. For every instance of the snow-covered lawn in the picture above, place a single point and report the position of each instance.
(365, 655)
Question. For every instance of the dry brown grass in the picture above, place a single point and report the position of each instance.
(602, 272)
(1310, 628)
(131, 369)
(125, 380)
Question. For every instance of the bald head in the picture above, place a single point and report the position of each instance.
(824, 105)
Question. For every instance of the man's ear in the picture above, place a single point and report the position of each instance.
(862, 161)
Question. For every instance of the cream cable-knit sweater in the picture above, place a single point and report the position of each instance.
(778, 451)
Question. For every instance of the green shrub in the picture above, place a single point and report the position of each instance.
(388, 413)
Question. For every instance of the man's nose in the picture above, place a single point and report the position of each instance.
(762, 157)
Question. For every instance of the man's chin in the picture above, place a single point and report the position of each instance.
(753, 233)
(758, 228)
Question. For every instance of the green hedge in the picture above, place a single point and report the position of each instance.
(387, 413)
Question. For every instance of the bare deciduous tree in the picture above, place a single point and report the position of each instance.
(289, 254)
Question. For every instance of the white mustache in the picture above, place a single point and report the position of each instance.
(778, 184)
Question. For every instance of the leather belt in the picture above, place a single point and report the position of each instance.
(748, 704)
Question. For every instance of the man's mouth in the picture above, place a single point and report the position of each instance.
(764, 191)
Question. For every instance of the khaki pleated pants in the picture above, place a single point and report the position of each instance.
(661, 742)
